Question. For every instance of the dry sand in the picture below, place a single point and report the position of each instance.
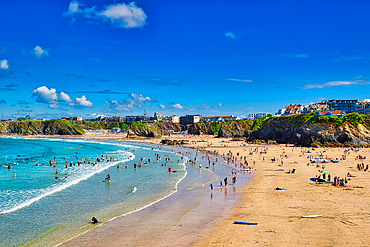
(345, 211)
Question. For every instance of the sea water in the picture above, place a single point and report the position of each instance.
(38, 209)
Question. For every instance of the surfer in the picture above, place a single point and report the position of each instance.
(107, 177)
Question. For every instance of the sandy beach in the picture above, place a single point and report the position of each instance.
(344, 211)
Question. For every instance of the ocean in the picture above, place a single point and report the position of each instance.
(38, 209)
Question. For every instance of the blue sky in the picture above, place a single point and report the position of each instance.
(89, 58)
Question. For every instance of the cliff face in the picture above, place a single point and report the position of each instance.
(306, 134)
(144, 130)
(203, 128)
(52, 127)
(234, 129)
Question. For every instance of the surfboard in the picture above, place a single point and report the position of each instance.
(311, 216)
(245, 223)
(249, 170)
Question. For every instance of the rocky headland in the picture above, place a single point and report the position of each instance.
(302, 129)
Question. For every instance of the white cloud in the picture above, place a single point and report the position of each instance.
(302, 55)
(163, 107)
(95, 115)
(65, 97)
(118, 14)
(51, 97)
(139, 98)
(239, 80)
(204, 106)
(350, 58)
(126, 16)
(53, 106)
(366, 100)
(45, 95)
(220, 105)
(39, 52)
(136, 100)
(177, 106)
(4, 64)
(335, 83)
(73, 6)
(230, 35)
(82, 102)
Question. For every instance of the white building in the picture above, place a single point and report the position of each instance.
(28, 117)
(257, 115)
(214, 119)
(158, 116)
(171, 119)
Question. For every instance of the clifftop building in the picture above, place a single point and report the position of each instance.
(218, 118)
(346, 106)
(257, 115)
(190, 119)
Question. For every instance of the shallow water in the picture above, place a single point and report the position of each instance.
(178, 220)
(36, 209)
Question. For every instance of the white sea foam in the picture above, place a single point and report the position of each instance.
(72, 180)
(183, 163)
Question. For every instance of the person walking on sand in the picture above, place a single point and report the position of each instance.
(225, 181)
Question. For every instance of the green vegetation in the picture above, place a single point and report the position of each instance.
(259, 122)
(351, 118)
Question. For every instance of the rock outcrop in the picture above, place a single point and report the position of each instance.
(174, 142)
(52, 127)
(307, 134)
(144, 130)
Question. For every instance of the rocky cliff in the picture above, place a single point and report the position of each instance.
(308, 133)
(52, 127)
(303, 129)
